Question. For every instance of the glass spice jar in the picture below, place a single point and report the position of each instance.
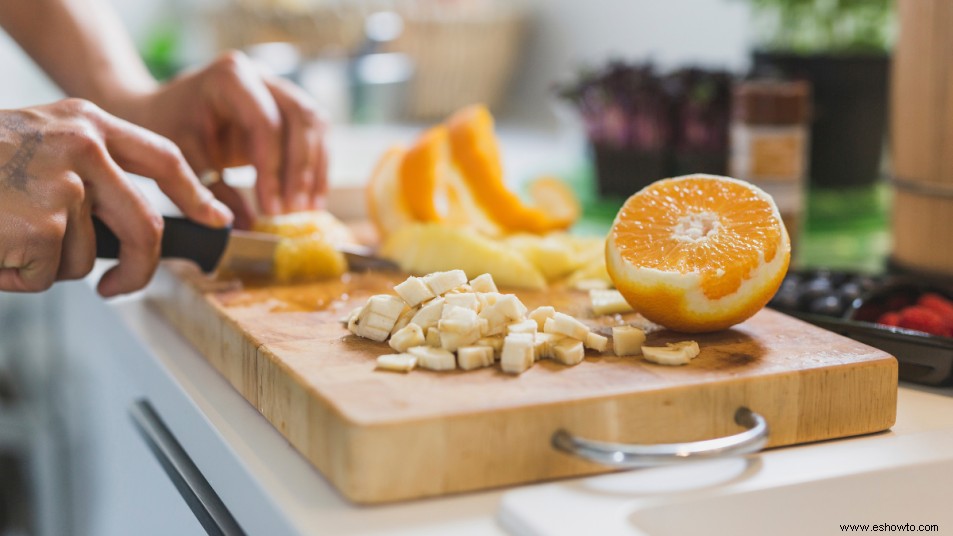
(770, 142)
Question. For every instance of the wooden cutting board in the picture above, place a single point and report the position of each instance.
(382, 436)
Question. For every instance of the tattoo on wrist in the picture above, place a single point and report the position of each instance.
(13, 172)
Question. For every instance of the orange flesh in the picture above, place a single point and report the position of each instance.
(419, 175)
(474, 150)
(732, 225)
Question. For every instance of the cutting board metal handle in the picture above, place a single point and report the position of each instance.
(753, 439)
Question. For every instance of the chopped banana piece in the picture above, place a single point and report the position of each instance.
(377, 321)
(608, 302)
(397, 362)
(568, 351)
(496, 343)
(597, 342)
(563, 324)
(471, 357)
(489, 298)
(544, 345)
(378, 317)
(627, 340)
(372, 333)
(453, 340)
(429, 314)
(483, 283)
(540, 314)
(346, 319)
(433, 358)
(433, 337)
(518, 354)
(526, 326)
(385, 305)
(462, 289)
(468, 300)
(506, 310)
(442, 282)
(414, 291)
(352, 319)
(458, 319)
(510, 307)
(673, 353)
(409, 336)
(404, 319)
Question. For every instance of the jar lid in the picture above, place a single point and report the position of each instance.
(770, 102)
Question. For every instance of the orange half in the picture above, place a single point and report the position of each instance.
(698, 253)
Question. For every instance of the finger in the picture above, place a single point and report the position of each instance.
(244, 214)
(320, 186)
(302, 134)
(135, 223)
(30, 265)
(146, 153)
(79, 244)
(244, 98)
(201, 159)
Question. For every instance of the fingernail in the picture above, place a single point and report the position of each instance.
(223, 215)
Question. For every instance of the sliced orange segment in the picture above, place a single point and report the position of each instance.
(420, 172)
(386, 205)
(556, 199)
(698, 253)
(434, 191)
(476, 156)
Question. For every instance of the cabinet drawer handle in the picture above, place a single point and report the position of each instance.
(753, 439)
(205, 504)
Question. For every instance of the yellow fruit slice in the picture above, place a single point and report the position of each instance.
(553, 255)
(305, 258)
(307, 250)
(386, 205)
(556, 199)
(422, 248)
(476, 156)
(698, 253)
(307, 223)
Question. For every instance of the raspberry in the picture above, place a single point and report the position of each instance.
(938, 304)
(923, 319)
(889, 319)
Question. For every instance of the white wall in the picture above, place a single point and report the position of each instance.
(566, 34)
(563, 35)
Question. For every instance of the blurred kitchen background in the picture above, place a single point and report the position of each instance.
(606, 94)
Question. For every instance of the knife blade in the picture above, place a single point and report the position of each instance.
(237, 250)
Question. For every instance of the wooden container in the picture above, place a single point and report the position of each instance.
(922, 137)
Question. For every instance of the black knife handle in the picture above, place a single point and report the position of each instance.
(181, 239)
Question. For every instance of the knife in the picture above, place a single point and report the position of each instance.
(239, 251)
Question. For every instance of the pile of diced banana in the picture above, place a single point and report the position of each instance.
(442, 321)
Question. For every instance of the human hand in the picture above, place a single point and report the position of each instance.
(229, 114)
(62, 163)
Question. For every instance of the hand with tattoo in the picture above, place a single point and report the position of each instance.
(62, 163)
(230, 114)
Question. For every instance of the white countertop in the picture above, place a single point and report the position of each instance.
(271, 489)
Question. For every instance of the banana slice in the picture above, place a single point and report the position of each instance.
(608, 302)
(433, 358)
(673, 353)
(397, 362)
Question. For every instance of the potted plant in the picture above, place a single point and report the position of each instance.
(842, 48)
